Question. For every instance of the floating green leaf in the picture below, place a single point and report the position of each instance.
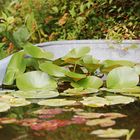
(35, 80)
(105, 122)
(108, 65)
(15, 67)
(94, 101)
(35, 94)
(4, 107)
(52, 69)
(124, 90)
(118, 99)
(110, 133)
(89, 82)
(15, 102)
(137, 69)
(37, 52)
(57, 102)
(122, 77)
(78, 91)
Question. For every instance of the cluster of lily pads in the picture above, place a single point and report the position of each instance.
(37, 75)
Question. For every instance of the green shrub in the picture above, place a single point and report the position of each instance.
(47, 20)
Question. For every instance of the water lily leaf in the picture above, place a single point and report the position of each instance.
(108, 65)
(52, 69)
(57, 102)
(124, 90)
(5, 98)
(132, 94)
(137, 69)
(75, 54)
(89, 82)
(15, 102)
(75, 76)
(111, 133)
(35, 80)
(89, 115)
(105, 122)
(15, 67)
(93, 115)
(4, 107)
(78, 91)
(37, 52)
(116, 78)
(113, 100)
(8, 120)
(36, 94)
(94, 101)
(32, 63)
(90, 63)
(51, 111)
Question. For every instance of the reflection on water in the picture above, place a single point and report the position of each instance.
(68, 132)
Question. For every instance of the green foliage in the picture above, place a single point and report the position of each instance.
(46, 20)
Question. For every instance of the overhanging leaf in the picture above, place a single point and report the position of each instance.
(37, 52)
(35, 80)
(15, 67)
(75, 54)
(122, 77)
(108, 65)
(52, 69)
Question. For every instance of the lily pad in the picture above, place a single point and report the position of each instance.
(75, 76)
(57, 102)
(4, 107)
(105, 122)
(37, 52)
(93, 115)
(35, 80)
(89, 82)
(113, 100)
(116, 78)
(90, 63)
(110, 133)
(52, 69)
(94, 101)
(15, 102)
(124, 90)
(15, 67)
(137, 69)
(35, 94)
(76, 53)
(78, 91)
(108, 65)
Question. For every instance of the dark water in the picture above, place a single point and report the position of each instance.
(71, 132)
